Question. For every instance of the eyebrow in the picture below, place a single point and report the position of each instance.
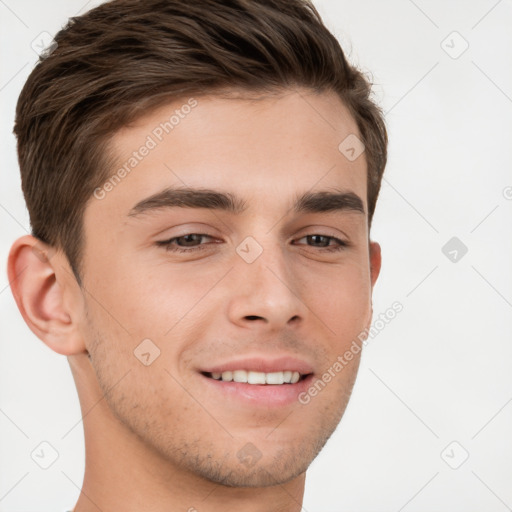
(186, 197)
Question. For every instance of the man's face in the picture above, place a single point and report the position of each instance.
(261, 284)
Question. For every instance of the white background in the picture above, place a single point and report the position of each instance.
(441, 370)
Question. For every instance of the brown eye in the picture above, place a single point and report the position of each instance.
(324, 242)
(188, 240)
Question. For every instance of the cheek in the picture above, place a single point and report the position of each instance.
(149, 398)
(145, 317)
(341, 300)
(144, 299)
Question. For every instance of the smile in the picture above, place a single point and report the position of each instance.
(254, 377)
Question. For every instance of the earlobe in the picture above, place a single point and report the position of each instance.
(41, 296)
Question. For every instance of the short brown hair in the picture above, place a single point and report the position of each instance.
(125, 56)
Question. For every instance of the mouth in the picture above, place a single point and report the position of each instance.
(247, 390)
(256, 378)
(256, 381)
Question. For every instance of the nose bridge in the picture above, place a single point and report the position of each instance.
(265, 286)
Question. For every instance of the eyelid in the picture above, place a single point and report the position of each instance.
(190, 228)
(316, 229)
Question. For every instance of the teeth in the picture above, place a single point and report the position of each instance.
(255, 378)
(251, 377)
(227, 376)
(274, 378)
(240, 376)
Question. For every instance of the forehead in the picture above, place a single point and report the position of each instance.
(272, 148)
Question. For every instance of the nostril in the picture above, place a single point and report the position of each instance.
(253, 317)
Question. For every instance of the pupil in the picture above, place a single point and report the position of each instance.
(189, 238)
(317, 237)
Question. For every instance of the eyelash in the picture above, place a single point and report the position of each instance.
(169, 246)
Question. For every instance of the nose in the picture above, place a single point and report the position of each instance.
(266, 293)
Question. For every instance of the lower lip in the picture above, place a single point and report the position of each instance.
(267, 395)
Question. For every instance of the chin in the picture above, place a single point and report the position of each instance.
(247, 467)
(261, 475)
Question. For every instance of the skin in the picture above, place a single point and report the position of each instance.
(157, 438)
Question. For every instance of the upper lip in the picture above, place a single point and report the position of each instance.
(260, 364)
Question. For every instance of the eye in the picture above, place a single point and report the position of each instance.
(189, 241)
(324, 244)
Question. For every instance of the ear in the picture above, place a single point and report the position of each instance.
(375, 262)
(47, 295)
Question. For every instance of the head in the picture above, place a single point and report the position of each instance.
(165, 120)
